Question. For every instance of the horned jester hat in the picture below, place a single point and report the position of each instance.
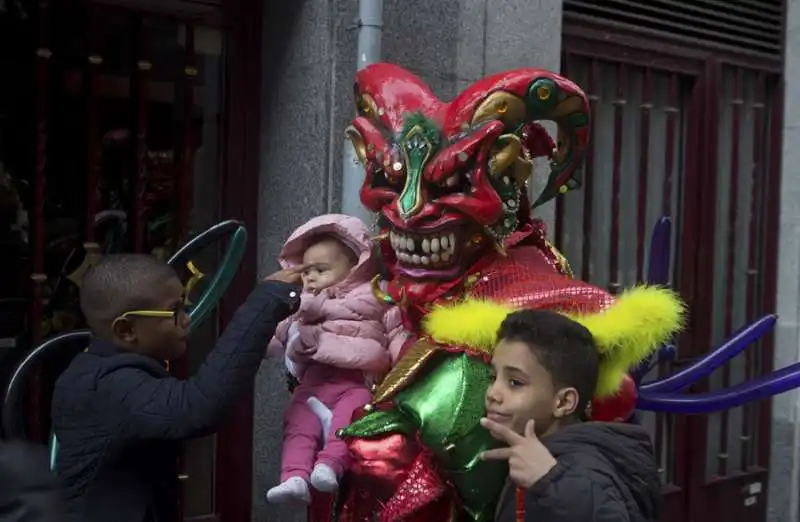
(449, 182)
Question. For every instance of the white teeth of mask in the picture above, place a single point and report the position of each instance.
(423, 251)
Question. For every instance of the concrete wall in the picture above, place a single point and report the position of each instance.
(309, 65)
(784, 487)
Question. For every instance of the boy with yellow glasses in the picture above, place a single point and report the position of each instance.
(119, 415)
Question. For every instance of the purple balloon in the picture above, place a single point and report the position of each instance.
(657, 274)
(775, 383)
(716, 358)
(660, 395)
(660, 248)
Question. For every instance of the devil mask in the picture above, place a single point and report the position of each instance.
(449, 180)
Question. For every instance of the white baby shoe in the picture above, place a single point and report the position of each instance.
(324, 479)
(293, 489)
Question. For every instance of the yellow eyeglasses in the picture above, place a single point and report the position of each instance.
(174, 314)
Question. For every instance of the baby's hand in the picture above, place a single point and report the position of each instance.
(302, 352)
(307, 351)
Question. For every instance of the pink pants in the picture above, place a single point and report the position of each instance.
(343, 392)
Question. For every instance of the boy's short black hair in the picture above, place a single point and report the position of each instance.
(565, 348)
(119, 283)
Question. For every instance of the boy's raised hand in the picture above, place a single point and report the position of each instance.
(288, 275)
(528, 459)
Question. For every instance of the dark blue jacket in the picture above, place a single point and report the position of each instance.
(119, 416)
(606, 472)
(28, 491)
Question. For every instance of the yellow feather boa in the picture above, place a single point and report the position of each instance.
(639, 321)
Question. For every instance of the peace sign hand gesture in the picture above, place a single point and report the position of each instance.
(528, 459)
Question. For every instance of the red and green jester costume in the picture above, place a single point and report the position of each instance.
(449, 182)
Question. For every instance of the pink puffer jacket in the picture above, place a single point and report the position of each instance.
(349, 326)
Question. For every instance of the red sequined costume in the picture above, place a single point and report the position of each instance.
(449, 181)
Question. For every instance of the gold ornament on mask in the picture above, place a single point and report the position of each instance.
(359, 145)
(504, 106)
(522, 171)
(543, 92)
(571, 105)
(505, 152)
(379, 293)
(366, 104)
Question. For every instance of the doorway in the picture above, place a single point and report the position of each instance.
(122, 124)
(690, 130)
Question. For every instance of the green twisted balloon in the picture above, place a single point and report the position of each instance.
(211, 295)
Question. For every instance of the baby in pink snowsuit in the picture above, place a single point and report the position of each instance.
(335, 342)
